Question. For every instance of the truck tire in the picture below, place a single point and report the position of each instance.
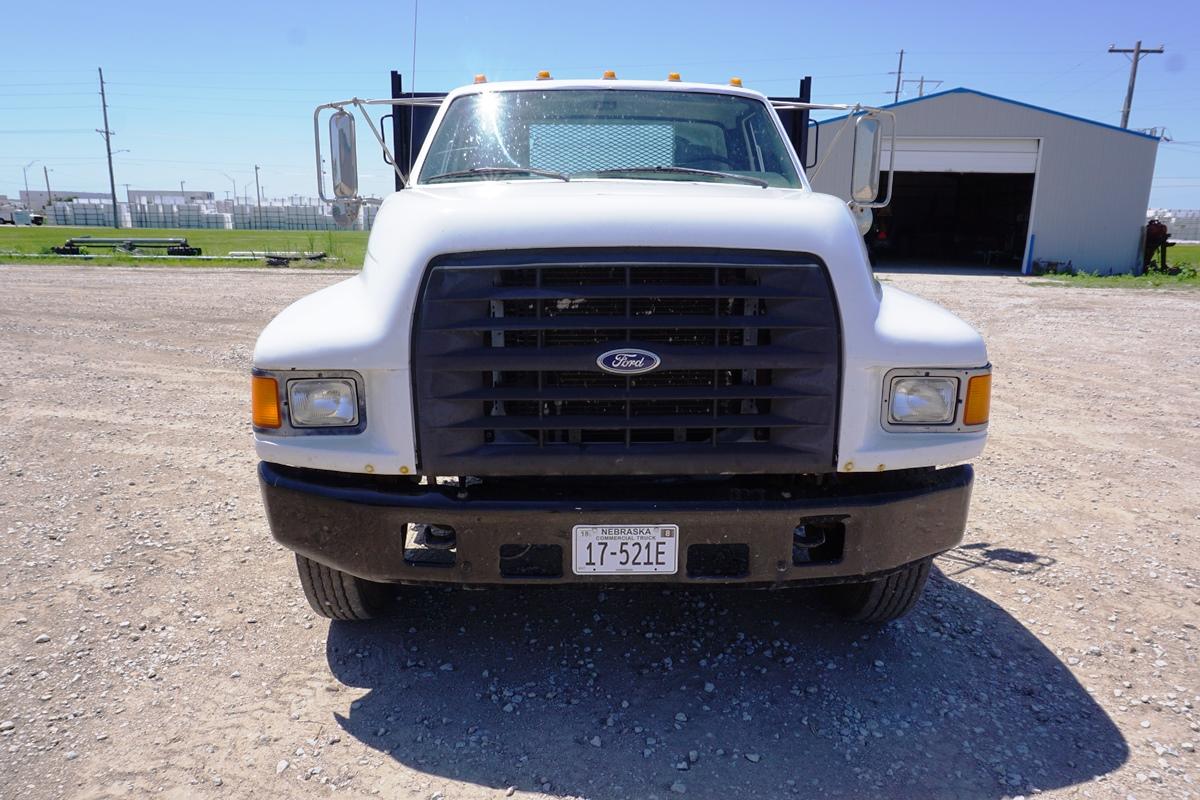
(885, 599)
(338, 595)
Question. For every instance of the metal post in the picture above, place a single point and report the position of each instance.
(25, 174)
(112, 181)
(399, 136)
(802, 117)
(258, 194)
(49, 194)
(899, 75)
(1138, 53)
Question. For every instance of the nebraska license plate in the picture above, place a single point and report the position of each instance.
(624, 549)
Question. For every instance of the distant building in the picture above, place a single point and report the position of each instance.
(983, 180)
(167, 197)
(37, 199)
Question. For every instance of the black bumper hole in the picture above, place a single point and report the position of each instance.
(430, 545)
(718, 560)
(531, 560)
(818, 540)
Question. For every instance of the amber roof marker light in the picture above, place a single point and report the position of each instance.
(480, 78)
(609, 75)
(735, 81)
(543, 75)
(673, 77)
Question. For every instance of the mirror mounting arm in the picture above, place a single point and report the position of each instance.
(360, 104)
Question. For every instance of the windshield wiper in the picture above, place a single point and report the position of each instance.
(514, 170)
(733, 176)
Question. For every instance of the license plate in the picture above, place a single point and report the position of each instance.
(624, 549)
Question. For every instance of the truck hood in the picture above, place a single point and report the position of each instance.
(595, 213)
(364, 322)
(416, 225)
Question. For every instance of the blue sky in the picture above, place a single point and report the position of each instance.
(200, 92)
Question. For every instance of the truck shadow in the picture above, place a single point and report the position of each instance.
(628, 692)
(982, 555)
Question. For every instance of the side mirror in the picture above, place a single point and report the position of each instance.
(864, 168)
(343, 155)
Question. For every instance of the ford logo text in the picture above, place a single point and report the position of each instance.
(629, 361)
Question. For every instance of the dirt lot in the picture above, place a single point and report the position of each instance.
(154, 641)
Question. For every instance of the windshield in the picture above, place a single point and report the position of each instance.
(606, 133)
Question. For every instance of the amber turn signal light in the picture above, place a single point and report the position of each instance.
(264, 397)
(979, 400)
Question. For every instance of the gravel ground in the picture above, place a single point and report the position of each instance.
(154, 640)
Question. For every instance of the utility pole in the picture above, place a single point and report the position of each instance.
(234, 183)
(1138, 53)
(899, 73)
(112, 181)
(49, 195)
(921, 84)
(25, 174)
(258, 194)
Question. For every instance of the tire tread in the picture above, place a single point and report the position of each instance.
(885, 599)
(337, 595)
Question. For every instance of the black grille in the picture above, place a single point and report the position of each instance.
(507, 380)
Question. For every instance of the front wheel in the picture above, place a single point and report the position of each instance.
(338, 595)
(882, 600)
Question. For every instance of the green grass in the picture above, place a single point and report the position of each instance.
(347, 247)
(1184, 256)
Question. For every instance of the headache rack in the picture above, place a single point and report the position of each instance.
(506, 348)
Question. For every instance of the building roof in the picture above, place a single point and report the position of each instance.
(976, 92)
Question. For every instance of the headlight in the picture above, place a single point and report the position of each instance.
(923, 400)
(323, 402)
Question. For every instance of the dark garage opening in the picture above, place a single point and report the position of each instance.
(954, 219)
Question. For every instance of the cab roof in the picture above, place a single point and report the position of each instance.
(611, 84)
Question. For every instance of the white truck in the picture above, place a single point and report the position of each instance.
(607, 333)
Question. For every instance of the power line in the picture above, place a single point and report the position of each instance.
(43, 130)
(1138, 53)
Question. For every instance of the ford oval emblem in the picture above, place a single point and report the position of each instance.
(629, 361)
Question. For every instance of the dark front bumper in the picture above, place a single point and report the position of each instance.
(881, 522)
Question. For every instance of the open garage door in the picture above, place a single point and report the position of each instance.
(957, 202)
(954, 219)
